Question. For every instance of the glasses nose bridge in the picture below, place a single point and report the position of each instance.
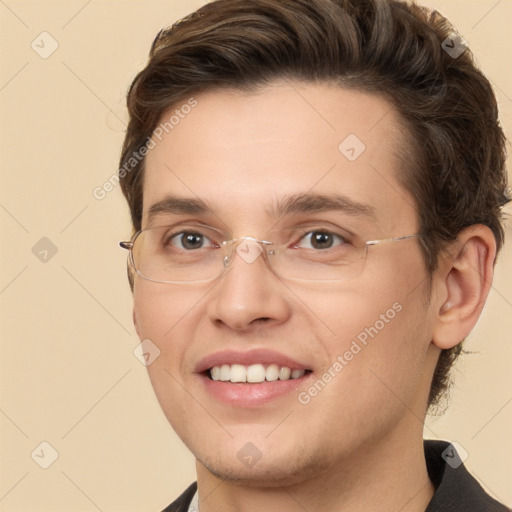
(247, 247)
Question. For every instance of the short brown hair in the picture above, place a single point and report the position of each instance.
(456, 169)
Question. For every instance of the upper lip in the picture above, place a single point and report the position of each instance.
(255, 356)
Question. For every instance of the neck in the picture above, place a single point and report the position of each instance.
(387, 475)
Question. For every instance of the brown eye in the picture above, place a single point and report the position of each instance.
(320, 240)
(188, 240)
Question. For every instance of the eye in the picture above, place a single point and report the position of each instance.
(320, 239)
(189, 240)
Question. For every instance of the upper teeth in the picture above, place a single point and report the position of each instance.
(253, 373)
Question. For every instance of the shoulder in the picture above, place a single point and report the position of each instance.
(183, 502)
(456, 488)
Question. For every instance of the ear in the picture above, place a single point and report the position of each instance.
(465, 279)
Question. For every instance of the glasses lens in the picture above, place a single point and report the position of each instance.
(167, 254)
(318, 255)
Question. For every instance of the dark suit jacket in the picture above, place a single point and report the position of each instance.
(456, 489)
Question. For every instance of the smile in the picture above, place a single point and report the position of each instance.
(252, 378)
(255, 373)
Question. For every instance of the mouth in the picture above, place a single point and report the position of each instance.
(251, 379)
(254, 373)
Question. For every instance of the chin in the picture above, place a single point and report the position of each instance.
(269, 471)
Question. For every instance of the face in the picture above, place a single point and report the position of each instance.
(359, 349)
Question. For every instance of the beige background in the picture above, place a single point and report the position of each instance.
(68, 373)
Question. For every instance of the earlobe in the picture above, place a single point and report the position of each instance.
(466, 280)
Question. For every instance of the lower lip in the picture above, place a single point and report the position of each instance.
(246, 394)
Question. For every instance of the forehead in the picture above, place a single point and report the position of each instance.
(240, 151)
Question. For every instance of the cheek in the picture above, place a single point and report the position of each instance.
(160, 308)
(377, 350)
(166, 316)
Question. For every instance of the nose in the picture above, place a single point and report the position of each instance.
(248, 294)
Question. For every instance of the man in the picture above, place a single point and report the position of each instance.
(316, 191)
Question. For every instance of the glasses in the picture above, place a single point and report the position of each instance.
(196, 253)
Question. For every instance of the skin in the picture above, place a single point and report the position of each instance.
(357, 445)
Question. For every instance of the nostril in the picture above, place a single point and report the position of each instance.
(262, 320)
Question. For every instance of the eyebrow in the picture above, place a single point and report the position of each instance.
(179, 206)
(316, 203)
(287, 205)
